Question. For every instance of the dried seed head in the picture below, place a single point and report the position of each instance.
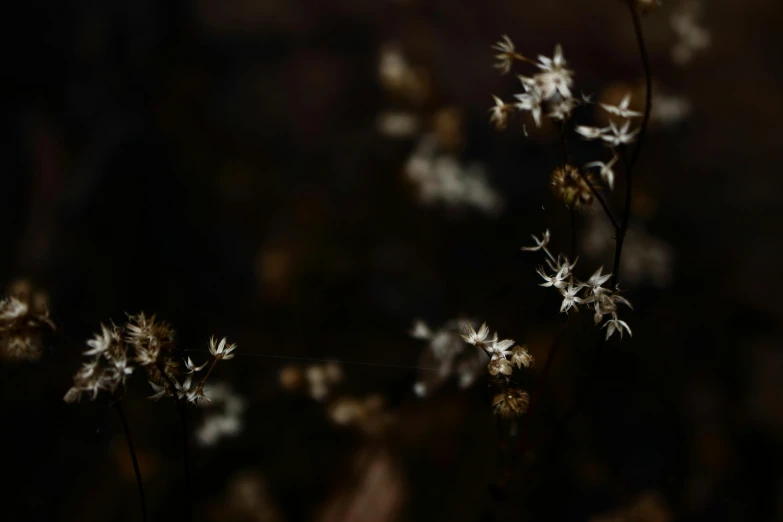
(149, 338)
(511, 404)
(521, 357)
(24, 318)
(500, 367)
(572, 187)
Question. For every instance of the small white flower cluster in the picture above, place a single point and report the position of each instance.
(575, 292)
(691, 37)
(152, 345)
(107, 370)
(224, 415)
(446, 355)
(367, 414)
(550, 93)
(547, 92)
(441, 177)
(321, 378)
(501, 359)
(613, 135)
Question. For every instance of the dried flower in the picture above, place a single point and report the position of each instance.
(499, 349)
(556, 78)
(619, 135)
(24, 319)
(531, 100)
(500, 367)
(540, 243)
(507, 54)
(473, 337)
(570, 296)
(616, 325)
(520, 357)
(622, 108)
(446, 355)
(572, 187)
(499, 113)
(220, 350)
(606, 172)
(511, 404)
(108, 368)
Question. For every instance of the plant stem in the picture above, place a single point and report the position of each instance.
(132, 451)
(182, 409)
(629, 164)
(573, 232)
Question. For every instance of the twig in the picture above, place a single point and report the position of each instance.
(182, 409)
(629, 164)
(132, 451)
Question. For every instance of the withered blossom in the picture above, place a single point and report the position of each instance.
(510, 404)
(24, 321)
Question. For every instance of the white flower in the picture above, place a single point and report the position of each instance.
(557, 280)
(570, 299)
(473, 337)
(556, 78)
(221, 350)
(562, 264)
(506, 56)
(597, 280)
(521, 357)
(616, 325)
(499, 113)
(531, 100)
(500, 366)
(621, 109)
(548, 64)
(101, 342)
(499, 349)
(540, 243)
(160, 391)
(606, 172)
(590, 133)
(619, 135)
(562, 109)
(191, 366)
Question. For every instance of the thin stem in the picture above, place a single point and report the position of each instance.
(573, 232)
(601, 200)
(637, 26)
(629, 164)
(182, 408)
(132, 451)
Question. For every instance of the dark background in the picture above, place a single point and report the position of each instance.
(217, 163)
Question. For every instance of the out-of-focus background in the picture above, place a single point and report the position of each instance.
(309, 178)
